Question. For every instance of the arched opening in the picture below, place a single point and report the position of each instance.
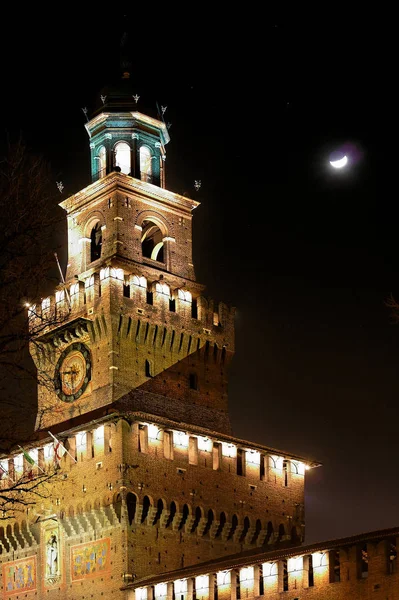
(234, 523)
(198, 515)
(146, 508)
(171, 515)
(131, 504)
(102, 162)
(159, 512)
(258, 528)
(269, 533)
(96, 239)
(185, 513)
(151, 241)
(222, 522)
(145, 164)
(245, 530)
(122, 157)
(209, 522)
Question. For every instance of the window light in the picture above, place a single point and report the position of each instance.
(59, 296)
(160, 590)
(180, 439)
(229, 450)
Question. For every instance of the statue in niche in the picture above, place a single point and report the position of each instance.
(52, 555)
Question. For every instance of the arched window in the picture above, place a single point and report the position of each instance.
(172, 514)
(140, 281)
(245, 530)
(162, 288)
(152, 241)
(146, 508)
(159, 512)
(222, 522)
(131, 502)
(186, 513)
(209, 522)
(198, 515)
(184, 295)
(102, 162)
(122, 157)
(145, 164)
(234, 524)
(96, 237)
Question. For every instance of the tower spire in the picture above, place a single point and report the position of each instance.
(125, 62)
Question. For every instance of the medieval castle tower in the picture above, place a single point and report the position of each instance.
(152, 483)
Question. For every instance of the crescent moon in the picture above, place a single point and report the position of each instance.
(338, 164)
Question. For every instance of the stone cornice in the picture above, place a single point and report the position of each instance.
(116, 180)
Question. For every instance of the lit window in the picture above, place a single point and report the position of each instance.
(160, 590)
(90, 281)
(19, 464)
(104, 273)
(184, 295)
(204, 444)
(162, 288)
(122, 157)
(229, 450)
(153, 432)
(140, 281)
(295, 564)
(247, 574)
(252, 457)
(202, 582)
(45, 303)
(60, 296)
(32, 311)
(180, 439)
(48, 452)
(141, 593)
(81, 443)
(276, 462)
(75, 288)
(223, 578)
(270, 569)
(117, 274)
(98, 438)
(145, 164)
(181, 586)
(102, 161)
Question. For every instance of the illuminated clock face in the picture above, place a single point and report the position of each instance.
(73, 372)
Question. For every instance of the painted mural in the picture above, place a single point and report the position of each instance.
(91, 559)
(19, 576)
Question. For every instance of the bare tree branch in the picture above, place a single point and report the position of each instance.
(29, 223)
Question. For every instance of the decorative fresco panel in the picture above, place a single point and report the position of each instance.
(19, 576)
(90, 559)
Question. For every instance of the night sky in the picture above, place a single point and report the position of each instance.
(307, 255)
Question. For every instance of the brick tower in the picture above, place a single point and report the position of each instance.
(135, 358)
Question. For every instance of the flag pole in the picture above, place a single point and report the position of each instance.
(29, 459)
(58, 442)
